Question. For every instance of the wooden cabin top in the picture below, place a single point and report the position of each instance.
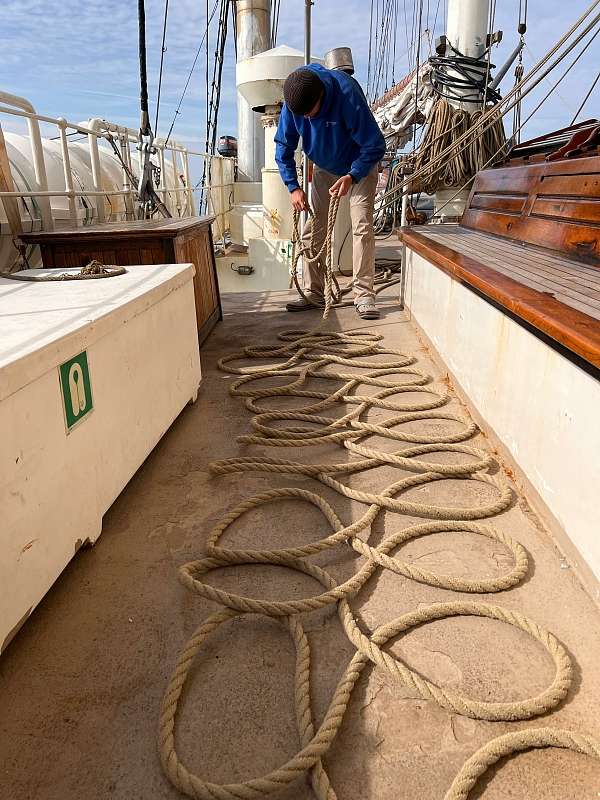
(163, 228)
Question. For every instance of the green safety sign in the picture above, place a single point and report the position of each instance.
(76, 389)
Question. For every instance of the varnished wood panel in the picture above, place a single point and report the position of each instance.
(562, 210)
(570, 283)
(198, 251)
(567, 209)
(171, 241)
(577, 331)
(495, 201)
(160, 228)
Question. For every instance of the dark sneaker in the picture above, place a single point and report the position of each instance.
(304, 305)
(367, 310)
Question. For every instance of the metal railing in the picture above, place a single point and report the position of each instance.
(177, 192)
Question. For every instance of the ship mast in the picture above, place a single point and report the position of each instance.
(466, 31)
(467, 27)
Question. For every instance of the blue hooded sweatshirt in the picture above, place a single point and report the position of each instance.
(342, 139)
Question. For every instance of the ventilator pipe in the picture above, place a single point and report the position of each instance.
(253, 36)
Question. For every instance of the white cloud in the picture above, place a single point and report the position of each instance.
(78, 59)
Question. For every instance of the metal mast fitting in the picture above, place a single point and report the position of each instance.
(340, 58)
(253, 36)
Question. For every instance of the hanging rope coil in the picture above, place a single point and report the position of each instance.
(386, 273)
(329, 355)
(324, 255)
(440, 166)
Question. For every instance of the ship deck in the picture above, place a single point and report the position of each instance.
(81, 684)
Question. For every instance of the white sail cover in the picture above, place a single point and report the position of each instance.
(397, 110)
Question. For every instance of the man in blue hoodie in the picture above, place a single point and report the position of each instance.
(329, 111)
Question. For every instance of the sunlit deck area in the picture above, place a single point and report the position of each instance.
(81, 684)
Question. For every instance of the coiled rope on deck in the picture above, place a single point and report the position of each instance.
(328, 355)
(92, 271)
(502, 746)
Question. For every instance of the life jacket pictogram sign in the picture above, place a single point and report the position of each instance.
(76, 390)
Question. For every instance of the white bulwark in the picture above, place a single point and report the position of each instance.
(542, 407)
(92, 374)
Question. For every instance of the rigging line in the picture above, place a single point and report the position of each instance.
(385, 54)
(384, 57)
(215, 100)
(383, 43)
(417, 65)
(535, 110)
(144, 121)
(191, 72)
(219, 72)
(586, 98)
(406, 32)
(378, 45)
(277, 21)
(395, 40)
(234, 22)
(163, 50)
(375, 46)
(274, 19)
(413, 33)
(566, 103)
(491, 23)
(437, 10)
(391, 45)
(370, 50)
(207, 68)
(403, 55)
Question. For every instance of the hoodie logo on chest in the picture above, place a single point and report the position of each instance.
(330, 122)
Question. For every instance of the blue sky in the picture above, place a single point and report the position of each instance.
(79, 60)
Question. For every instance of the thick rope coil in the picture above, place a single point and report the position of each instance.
(309, 255)
(303, 356)
(445, 125)
(334, 294)
(532, 738)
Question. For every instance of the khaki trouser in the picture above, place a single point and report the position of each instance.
(362, 202)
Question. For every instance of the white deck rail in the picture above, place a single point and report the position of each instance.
(178, 191)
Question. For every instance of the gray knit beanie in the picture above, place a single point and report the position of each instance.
(301, 90)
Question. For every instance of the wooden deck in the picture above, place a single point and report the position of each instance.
(573, 283)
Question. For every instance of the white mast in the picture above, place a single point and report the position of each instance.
(467, 28)
(253, 37)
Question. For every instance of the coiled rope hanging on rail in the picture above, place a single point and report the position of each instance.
(326, 355)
